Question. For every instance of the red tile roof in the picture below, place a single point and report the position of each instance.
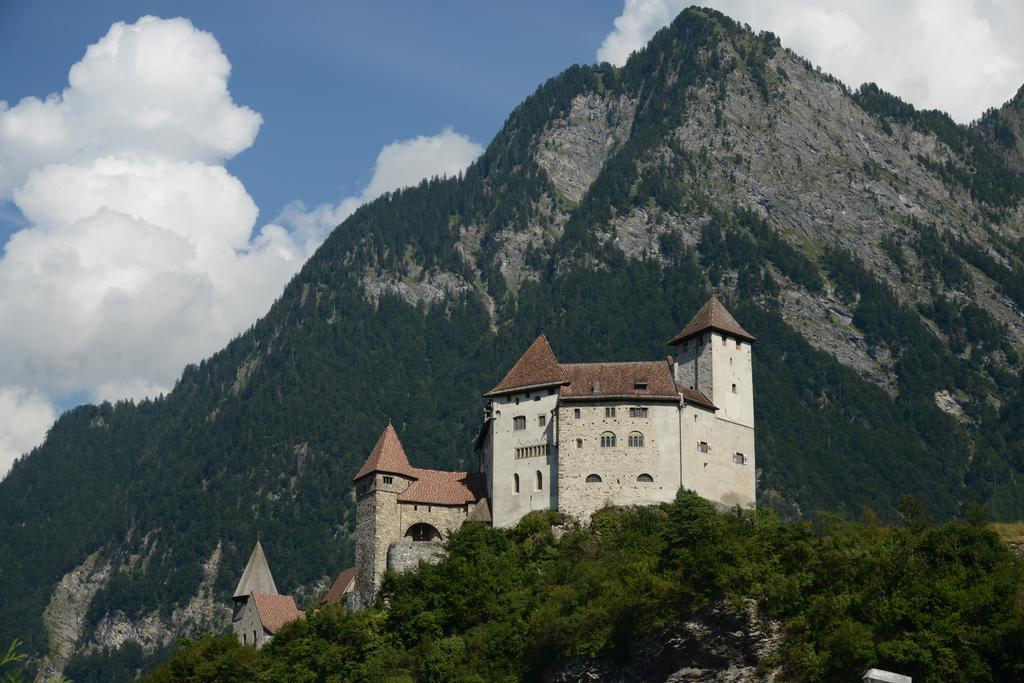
(694, 396)
(434, 487)
(713, 316)
(276, 610)
(342, 585)
(536, 368)
(633, 380)
(387, 456)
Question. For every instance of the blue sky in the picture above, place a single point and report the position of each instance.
(152, 206)
(334, 81)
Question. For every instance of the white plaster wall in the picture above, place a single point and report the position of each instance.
(507, 507)
(618, 466)
(731, 365)
(714, 475)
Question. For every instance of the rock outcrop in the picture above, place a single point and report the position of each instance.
(721, 642)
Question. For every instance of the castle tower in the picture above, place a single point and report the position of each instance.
(385, 474)
(713, 356)
(519, 444)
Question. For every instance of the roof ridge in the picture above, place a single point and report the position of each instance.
(388, 455)
(537, 367)
(714, 316)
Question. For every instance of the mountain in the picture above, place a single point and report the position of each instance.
(874, 250)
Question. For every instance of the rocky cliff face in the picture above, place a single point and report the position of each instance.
(722, 643)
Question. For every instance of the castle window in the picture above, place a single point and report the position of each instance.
(645, 479)
(519, 422)
(515, 480)
(540, 481)
(542, 419)
(388, 480)
(609, 411)
(638, 412)
(636, 440)
(593, 479)
(734, 388)
(703, 447)
(579, 443)
(607, 440)
(739, 458)
(576, 413)
(254, 637)
(245, 637)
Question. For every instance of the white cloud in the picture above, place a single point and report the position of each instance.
(25, 416)
(140, 255)
(956, 55)
(402, 163)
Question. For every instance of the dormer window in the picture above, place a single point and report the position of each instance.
(640, 385)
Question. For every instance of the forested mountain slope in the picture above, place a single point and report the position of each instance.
(876, 251)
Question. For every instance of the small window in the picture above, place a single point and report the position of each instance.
(543, 420)
(593, 479)
(636, 440)
(607, 440)
(536, 398)
(638, 412)
(245, 637)
(519, 422)
(551, 391)
(254, 637)
(579, 443)
(703, 447)
(645, 479)
(515, 483)
(540, 481)
(609, 411)
(739, 458)
(388, 480)
(640, 385)
(576, 413)
(734, 388)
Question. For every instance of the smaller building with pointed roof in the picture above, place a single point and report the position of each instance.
(259, 610)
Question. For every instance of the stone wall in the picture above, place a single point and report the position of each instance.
(445, 518)
(581, 455)
(404, 556)
(247, 625)
(378, 524)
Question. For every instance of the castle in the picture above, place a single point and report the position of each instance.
(571, 437)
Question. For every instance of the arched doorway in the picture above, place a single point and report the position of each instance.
(423, 532)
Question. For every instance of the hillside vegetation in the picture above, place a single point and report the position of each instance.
(939, 603)
(876, 251)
